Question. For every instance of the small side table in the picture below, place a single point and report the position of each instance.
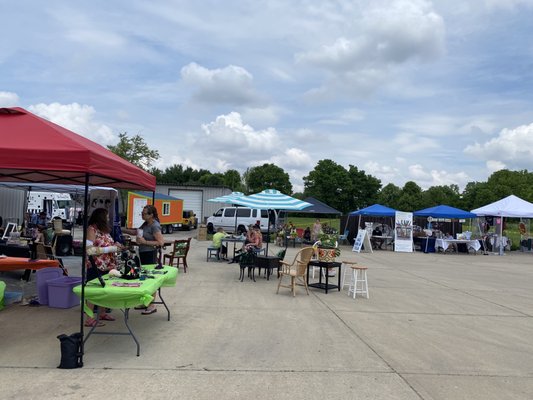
(324, 285)
(268, 263)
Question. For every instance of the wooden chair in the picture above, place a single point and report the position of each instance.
(180, 249)
(297, 270)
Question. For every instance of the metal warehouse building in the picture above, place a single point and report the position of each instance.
(195, 198)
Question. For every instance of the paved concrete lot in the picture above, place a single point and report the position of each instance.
(436, 326)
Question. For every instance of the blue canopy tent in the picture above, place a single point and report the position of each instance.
(443, 211)
(375, 210)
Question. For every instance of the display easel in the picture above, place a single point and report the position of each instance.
(361, 240)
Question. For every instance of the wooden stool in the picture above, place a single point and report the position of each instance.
(358, 277)
(347, 272)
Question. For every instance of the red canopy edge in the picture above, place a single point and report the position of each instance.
(33, 149)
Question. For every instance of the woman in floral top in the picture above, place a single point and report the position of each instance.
(103, 247)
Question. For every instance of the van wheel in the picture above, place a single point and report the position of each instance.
(170, 229)
(210, 229)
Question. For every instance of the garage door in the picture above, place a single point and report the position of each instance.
(192, 200)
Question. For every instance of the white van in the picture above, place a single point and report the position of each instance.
(239, 218)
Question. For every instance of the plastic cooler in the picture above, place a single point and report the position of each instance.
(43, 276)
(60, 294)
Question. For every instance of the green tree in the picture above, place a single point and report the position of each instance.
(364, 189)
(267, 176)
(212, 179)
(330, 183)
(389, 196)
(504, 183)
(135, 150)
(232, 179)
(437, 195)
(410, 198)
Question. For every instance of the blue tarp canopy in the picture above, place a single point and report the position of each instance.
(376, 210)
(444, 211)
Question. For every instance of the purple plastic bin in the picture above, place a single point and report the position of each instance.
(60, 294)
(43, 276)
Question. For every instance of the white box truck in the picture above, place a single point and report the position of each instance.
(55, 204)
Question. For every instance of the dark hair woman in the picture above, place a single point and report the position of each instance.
(149, 236)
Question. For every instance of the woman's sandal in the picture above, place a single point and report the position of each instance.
(91, 322)
(141, 307)
(106, 317)
(149, 310)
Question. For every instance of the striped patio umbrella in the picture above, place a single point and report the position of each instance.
(272, 199)
(228, 198)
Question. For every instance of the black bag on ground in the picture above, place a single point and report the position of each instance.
(71, 351)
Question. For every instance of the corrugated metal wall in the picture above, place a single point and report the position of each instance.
(209, 192)
(12, 205)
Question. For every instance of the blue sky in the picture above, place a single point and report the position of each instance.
(438, 92)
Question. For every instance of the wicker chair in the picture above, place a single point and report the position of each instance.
(297, 270)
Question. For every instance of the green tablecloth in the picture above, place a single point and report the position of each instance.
(2, 290)
(126, 297)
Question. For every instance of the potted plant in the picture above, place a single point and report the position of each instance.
(326, 249)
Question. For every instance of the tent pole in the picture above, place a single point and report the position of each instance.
(83, 259)
(501, 237)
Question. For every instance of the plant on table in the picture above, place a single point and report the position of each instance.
(327, 248)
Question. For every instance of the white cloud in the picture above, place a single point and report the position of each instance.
(493, 166)
(262, 116)
(427, 178)
(414, 143)
(391, 35)
(8, 99)
(512, 148)
(77, 118)
(229, 85)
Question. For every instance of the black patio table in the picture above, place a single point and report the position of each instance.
(324, 285)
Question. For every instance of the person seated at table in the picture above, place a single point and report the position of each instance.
(40, 221)
(256, 243)
(249, 235)
(217, 243)
(376, 238)
(307, 235)
(148, 243)
(102, 249)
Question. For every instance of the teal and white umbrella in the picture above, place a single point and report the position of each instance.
(228, 198)
(272, 199)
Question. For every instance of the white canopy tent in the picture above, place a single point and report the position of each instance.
(510, 207)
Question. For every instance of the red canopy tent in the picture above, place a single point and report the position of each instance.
(35, 150)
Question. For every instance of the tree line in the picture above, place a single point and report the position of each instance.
(346, 189)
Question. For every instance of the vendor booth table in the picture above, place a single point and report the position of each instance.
(445, 243)
(124, 294)
(15, 263)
